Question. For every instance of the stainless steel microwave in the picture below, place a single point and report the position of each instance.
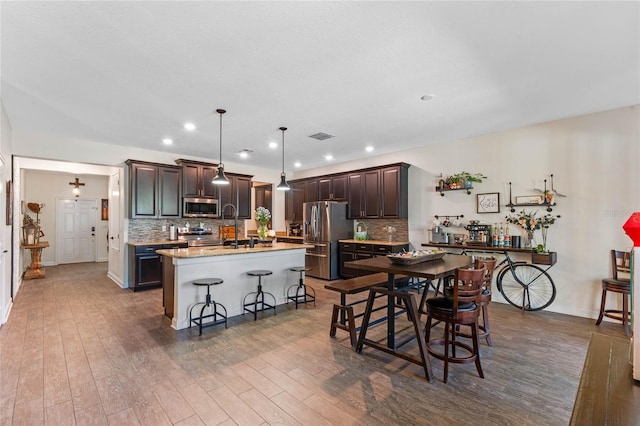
(199, 207)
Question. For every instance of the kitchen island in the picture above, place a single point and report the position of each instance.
(181, 266)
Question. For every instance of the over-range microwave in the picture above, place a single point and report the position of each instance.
(200, 207)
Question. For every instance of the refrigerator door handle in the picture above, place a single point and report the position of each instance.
(315, 255)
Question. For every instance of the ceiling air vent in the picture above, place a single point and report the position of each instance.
(321, 136)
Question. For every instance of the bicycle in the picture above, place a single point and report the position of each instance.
(524, 285)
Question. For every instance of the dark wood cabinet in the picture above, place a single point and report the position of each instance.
(197, 179)
(364, 195)
(238, 193)
(263, 196)
(394, 192)
(154, 190)
(355, 251)
(332, 188)
(294, 201)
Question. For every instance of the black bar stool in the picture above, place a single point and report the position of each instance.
(217, 317)
(258, 303)
(300, 293)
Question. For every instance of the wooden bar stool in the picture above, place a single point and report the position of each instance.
(621, 264)
(219, 312)
(461, 308)
(258, 304)
(299, 293)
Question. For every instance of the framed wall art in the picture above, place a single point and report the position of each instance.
(488, 202)
(9, 201)
(104, 210)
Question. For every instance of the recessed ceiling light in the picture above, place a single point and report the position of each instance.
(428, 97)
(189, 127)
(273, 145)
(328, 157)
(167, 141)
(297, 164)
(244, 153)
(369, 149)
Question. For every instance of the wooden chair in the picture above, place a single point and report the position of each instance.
(461, 308)
(489, 264)
(621, 264)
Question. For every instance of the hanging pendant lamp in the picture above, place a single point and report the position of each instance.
(283, 185)
(220, 178)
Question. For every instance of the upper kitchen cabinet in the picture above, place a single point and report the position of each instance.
(332, 188)
(154, 190)
(197, 178)
(394, 196)
(364, 194)
(380, 193)
(238, 193)
(293, 201)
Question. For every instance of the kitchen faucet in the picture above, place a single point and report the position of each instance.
(235, 223)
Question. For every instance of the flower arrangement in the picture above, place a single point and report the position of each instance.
(263, 215)
(390, 230)
(530, 222)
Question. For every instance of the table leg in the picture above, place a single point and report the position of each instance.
(391, 313)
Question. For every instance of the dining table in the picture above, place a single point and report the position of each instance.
(431, 270)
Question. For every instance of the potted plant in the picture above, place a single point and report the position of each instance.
(464, 179)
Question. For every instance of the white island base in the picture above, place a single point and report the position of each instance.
(182, 266)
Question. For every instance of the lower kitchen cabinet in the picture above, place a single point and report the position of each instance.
(145, 265)
(350, 251)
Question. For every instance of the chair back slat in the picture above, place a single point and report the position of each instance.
(467, 287)
(621, 264)
(489, 264)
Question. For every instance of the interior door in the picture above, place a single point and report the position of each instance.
(76, 230)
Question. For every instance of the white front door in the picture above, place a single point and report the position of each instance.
(76, 230)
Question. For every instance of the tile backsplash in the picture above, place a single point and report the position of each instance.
(151, 229)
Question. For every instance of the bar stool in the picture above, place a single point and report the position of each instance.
(301, 290)
(258, 303)
(217, 316)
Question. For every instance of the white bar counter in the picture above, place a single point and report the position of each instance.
(182, 266)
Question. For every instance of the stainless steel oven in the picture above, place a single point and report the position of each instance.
(200, 207)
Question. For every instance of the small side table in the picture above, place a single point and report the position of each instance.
(35, 268)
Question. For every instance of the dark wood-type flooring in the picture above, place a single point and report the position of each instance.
(77, 349)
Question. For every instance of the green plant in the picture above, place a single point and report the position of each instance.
(463, 177)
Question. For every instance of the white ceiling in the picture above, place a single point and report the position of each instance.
(130, 73)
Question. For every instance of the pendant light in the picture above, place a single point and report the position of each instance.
(220, 178)
(283, 185)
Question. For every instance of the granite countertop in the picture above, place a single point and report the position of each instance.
(377, 242)
(296, 237)
(154, 242)
(193, 252)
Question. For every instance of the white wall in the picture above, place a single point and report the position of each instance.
(594, 160)
(5, 230)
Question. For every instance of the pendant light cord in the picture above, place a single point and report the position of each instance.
(283, 129)
(221, 111)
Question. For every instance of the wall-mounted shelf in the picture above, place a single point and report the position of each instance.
(443, 190)
(546, 205)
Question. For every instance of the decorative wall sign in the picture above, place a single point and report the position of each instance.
(529, 199)
(488, 202)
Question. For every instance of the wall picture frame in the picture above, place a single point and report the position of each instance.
(529, 199)
(104, 209)
(488, 202)
(9, 203)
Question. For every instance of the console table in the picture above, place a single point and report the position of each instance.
(35, 269)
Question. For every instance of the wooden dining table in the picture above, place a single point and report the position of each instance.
(431, 270)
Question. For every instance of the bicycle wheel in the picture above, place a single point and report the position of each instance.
(526, 287)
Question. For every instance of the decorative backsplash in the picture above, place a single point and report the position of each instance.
(376, 229)
(151, 229)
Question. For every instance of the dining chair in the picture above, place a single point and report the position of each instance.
(618, 283)
(462, 307)
(489, 264)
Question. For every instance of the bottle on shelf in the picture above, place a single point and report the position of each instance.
(501, 236)
(507, 236)
(495, 235)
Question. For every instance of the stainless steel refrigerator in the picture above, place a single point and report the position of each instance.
(325, 222)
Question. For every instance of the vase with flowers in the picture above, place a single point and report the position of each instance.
(263, 216)
(529, 222)
(390, 230)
